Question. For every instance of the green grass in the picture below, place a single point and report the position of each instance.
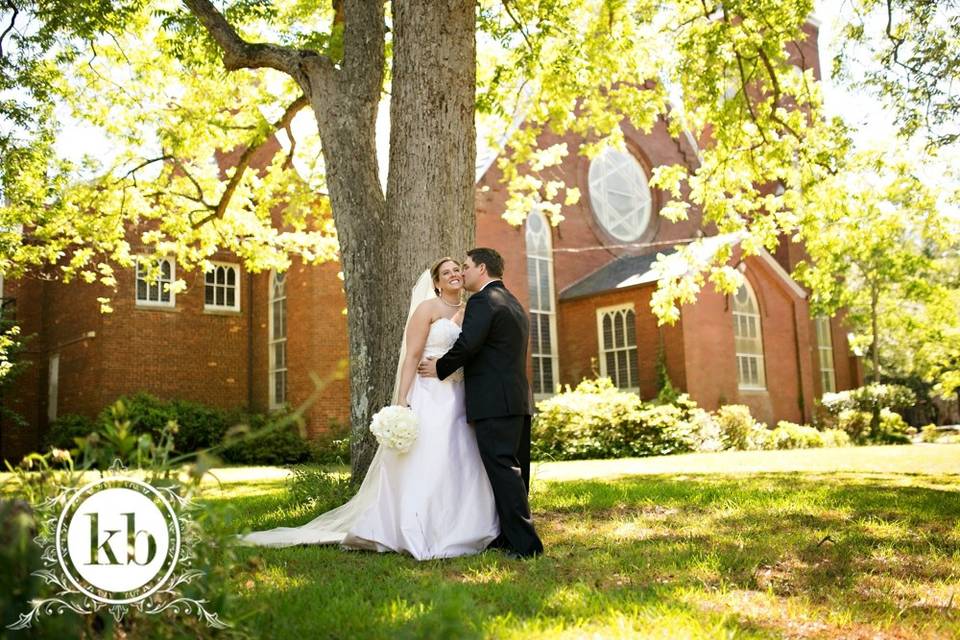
(765, 545)
(843, 543)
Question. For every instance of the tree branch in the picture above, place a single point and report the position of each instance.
(240, 54)
(13, 20)
(244, 161)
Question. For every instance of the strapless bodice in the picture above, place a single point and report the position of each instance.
(443, 333)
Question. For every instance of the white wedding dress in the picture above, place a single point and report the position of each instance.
(434, 501)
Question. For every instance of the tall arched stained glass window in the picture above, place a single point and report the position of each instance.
(543, 320)
(748, 339)
(277, 329)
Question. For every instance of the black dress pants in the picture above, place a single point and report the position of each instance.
(499, 440)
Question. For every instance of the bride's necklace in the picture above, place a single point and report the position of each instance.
(455, 306)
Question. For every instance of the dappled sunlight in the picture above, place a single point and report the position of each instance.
(793, 555)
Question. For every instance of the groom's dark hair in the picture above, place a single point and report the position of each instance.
(488, 257)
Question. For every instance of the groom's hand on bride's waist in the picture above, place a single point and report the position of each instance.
(428, 368)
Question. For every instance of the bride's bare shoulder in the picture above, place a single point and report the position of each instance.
(428, 310)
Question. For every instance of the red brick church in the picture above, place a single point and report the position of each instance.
(235, 339)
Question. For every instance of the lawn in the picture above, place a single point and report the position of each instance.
(842, 543)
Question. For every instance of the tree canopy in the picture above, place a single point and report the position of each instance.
(187, 94)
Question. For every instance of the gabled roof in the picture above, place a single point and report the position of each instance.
(625, 271)
(632, 271)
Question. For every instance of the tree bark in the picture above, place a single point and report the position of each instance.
(428, 211)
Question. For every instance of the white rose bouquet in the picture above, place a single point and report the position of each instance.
(395, 427)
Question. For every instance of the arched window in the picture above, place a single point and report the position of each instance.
(543, 319)
(828, 382)
(748, 338)
(617, 334)
(222, 287)
(155, 293)
(619, 194)
(277, 331)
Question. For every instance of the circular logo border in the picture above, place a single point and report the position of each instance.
(173, 553)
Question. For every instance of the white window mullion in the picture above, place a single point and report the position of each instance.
(157, 292)
(748, 339)
(222, 287)
(619, 348)
(277, 340)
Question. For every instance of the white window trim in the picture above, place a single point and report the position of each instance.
(762, 365)
(828, 348)
(236, 286)
(271, 357)
(599, 201)
(53, 386)
(602, 353)
(552, 314)
(173, 278)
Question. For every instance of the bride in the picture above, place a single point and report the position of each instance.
(435, 500)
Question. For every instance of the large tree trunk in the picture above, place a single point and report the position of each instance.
(429, 208)
(385, 242)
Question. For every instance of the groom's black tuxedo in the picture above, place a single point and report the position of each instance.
(492, 349)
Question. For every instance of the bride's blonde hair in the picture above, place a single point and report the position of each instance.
(435, 270)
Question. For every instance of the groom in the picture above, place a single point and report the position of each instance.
(492, 349)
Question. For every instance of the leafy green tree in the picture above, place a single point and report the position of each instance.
(175, 85)
(880, 254)
(908, 52)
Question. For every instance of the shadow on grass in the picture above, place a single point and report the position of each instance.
(701, 556)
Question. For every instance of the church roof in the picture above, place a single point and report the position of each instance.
(625, 271)
(632, 271)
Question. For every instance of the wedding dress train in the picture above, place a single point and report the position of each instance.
(434, 501)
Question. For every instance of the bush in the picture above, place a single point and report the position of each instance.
(277, 446)
(701, 432)
(583, 423)
(333, 446)
(929, 433)
(597, 420)
(892, 428)
(835, 438)
(65, 429)
(789, 435)
(868, 398)
(200, 427)
(147, 414)
(318, 489)
(739, 430)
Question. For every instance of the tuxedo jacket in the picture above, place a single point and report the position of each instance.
(492, 349)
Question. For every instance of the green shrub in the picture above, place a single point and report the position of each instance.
(929, 433)
(789, 435)
(147, 413)
(893, 428)
(200, 426)
(582, 423)
(597, 420)
(332, 446)
(855, 424)
(739, 430)
(278, 445)
(65, 429)
(835, 438)
(868, 398)
(701, 432)
(319, 489)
